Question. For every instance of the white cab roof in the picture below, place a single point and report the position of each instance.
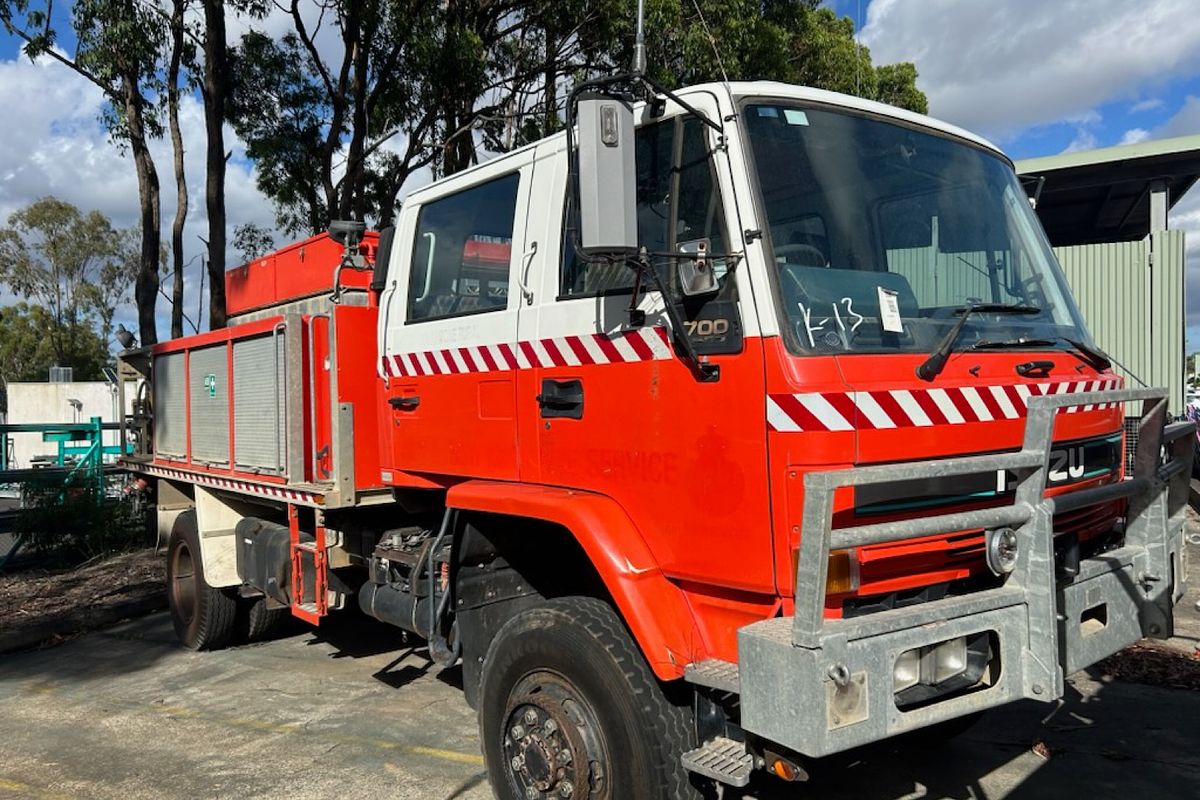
(740, 89)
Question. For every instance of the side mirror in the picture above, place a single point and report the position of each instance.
(607, 178)
(694, 269)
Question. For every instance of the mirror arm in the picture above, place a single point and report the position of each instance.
(703, 371)
(685, 105)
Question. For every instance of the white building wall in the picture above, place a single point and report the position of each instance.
(43, 402)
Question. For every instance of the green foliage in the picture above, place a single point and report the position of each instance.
(278, 109)
(27, 350)
(305, 119)
(75, 267)
(252, 241)
(794, 41)
(446, 80)
(72, 526)
(118, 46)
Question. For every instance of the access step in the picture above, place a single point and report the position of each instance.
(715, 674)
(722, 760)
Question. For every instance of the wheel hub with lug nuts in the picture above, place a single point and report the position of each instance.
(544, 750)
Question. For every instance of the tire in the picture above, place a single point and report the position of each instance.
(571, 662)
(256, 622)
(203, 615)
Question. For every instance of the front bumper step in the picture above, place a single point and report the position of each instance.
(714, 674)
(722, 760)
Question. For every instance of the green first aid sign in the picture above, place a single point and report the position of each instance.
(210, 383)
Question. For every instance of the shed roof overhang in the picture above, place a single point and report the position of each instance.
(1104, 195)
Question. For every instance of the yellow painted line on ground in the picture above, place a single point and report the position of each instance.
(447, 755)
(26, 790)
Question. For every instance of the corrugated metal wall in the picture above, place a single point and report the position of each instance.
(1134, 308)
(954, 276)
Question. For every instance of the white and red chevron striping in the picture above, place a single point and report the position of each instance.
(245, 487)
(642, 344)
(917, 408)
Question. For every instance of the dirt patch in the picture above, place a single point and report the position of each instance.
(1153, 665)
(46, 605)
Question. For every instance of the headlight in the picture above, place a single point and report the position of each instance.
(1002, 549)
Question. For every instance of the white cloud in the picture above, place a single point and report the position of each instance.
(1135, 135)
(1185, 122)
(59, 148)
(1000, 68)
(1084, 140)
(1148, 104)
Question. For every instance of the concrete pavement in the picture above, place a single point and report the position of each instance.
(347, 711)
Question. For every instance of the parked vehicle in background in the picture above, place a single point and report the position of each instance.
(767, 429)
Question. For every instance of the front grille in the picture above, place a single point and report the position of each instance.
(1131, 442)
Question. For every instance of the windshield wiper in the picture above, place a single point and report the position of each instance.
(931, 367)
(1093, 357)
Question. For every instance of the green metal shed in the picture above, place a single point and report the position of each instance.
(1105, 212)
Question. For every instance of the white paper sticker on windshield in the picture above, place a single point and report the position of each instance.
(889, 311)
(795, 116)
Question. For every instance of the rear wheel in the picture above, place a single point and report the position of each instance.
(569, 710)
(256, 622)
(203, 616)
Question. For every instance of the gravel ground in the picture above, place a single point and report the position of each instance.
(51, 604)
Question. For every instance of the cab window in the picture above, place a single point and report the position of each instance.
(463, 251)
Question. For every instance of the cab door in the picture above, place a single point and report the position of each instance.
(615, 406)
(450, 328)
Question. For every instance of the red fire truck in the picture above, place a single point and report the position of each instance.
(764, 429)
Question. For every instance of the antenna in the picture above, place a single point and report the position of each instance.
(857, 51)
(639, 42)
(713, 42)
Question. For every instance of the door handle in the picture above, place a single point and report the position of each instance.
(523, 279)
(406, 403)
(561, 399)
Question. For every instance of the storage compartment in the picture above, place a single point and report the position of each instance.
(170, 413)
(260, 404)
(208, 406)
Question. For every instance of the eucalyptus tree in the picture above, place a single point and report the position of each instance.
(74, 266)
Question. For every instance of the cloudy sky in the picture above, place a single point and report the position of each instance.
(1036, 77)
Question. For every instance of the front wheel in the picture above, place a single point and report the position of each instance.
(569, 710)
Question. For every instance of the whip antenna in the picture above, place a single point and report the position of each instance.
(639, 42)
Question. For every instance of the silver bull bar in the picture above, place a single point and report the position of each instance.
(821, 686)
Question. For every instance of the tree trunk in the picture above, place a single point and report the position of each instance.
(213, 89)
(181, 195)
(145, 291)
(354, 200)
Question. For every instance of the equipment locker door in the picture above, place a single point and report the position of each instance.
(450, 326)
(616, 409)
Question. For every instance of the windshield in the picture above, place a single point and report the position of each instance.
(881, 235)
